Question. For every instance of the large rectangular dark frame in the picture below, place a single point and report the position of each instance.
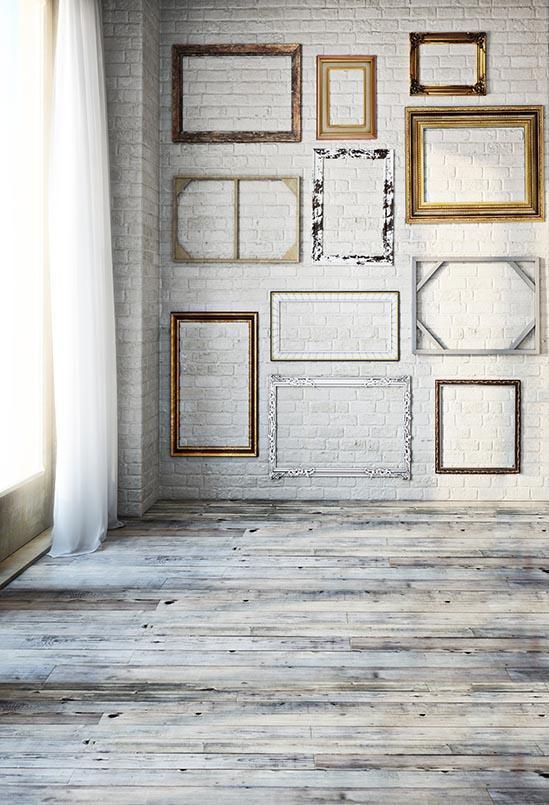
(439, 468)
(180, 136)
(251, 449)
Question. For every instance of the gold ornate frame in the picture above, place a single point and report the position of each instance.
(513, 468)
(419, 119)
(249, 449)
(179, 135)
(181, 255)
(367, 129)
(417, 39)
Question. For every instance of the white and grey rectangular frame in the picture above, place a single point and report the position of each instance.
(439, 347)
(387, 255)
(404, 471)
(365, 298)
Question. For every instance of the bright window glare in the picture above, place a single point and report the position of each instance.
(22, 136)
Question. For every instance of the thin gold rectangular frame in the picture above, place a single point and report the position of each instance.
(440, 469)
(181, 255)
(345, 131)
(419, 119)
(251, 448)
(477, 38)
(180, 136)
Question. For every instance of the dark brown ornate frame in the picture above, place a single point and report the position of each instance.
(439, 467)
(477, 38)
(181, 136)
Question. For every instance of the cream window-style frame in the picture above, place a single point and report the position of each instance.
(366, 129)
(181, 255)
(278, 471)
(337, 299)
(437, 346)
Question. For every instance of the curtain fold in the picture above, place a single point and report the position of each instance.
(83, 325)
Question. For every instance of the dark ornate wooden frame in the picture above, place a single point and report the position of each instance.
(180, 136)
(249, 449)
(477, 38)
(439, 468)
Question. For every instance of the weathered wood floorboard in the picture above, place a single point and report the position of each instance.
(228, 653)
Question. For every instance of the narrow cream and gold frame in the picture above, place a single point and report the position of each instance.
(251, 447)
(477, 38)
(367, 128)
(420, 119)
(181, 255)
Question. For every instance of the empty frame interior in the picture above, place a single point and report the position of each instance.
(236, 93)
(477, 426)
(335, 326)
(353, 206)
(237, 219)
(436, 59)
(346, 97)
(340, 427)
(214, 384)
(476, 306)
(474, 164)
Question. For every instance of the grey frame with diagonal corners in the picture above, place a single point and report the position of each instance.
(439, 348)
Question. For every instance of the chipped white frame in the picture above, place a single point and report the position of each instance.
(438, 346)
(387, 256)
(277, 472)
(360, 298)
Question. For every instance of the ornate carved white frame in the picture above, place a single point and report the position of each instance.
(438, 346)
(360, 298)
(387, 256)
(277, 472)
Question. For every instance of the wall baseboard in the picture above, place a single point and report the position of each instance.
(13, 565)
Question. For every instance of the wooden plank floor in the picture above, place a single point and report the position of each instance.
(284, 653)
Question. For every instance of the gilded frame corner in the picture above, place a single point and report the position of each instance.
(477, 38)
(420, 119)
(251, 448)
(513, 468)
(367, 129)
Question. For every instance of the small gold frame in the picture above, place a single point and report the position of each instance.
(477, 38)
(367, 129)
(181, 255)
(249, 449)
(419, 119)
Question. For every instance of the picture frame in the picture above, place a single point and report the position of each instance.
(530, 280)
(367, 128)
(386, 256)
(250, 448)
(180, 52)
(181, 255)
(513, 468)
(529, 121)
(417, 87)
(278, 471)
(339, 300)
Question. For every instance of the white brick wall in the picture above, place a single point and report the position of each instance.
(517, 74)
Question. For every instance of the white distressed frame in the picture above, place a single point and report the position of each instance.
(387, 256)
(277, 472)
(439, 348)
(360, 297)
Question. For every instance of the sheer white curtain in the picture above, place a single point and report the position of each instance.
(82, 287)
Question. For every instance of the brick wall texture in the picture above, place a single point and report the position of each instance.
(517, 74)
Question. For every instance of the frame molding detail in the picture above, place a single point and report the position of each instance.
(387, 255)
(179, 52)
(419, 119)
(367, 129)
(181, 255)
(477, 38)
(277, 472)
(249, 449)
(439, 466)
(361, 297)
(439, 348)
